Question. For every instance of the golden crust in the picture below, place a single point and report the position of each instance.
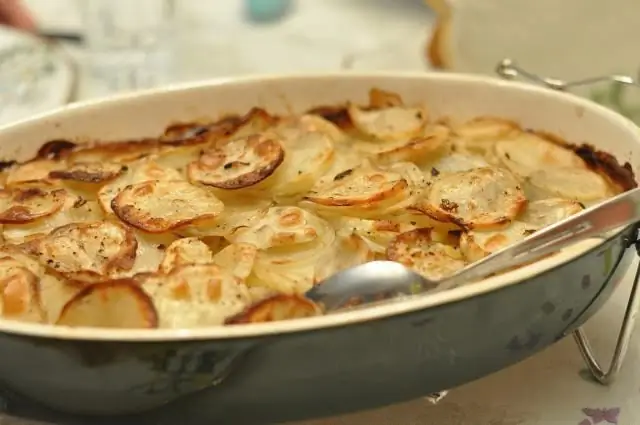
(185, 251)
(360, 187)
(238, 163)
(86, 252)
(276, 308)
(386, 118)
(426, 253)
(111, 304)
(159, 206)
(481, 198)
(89, 172)
(36, 170)
(20, 292)
(19, 205)
(197, 295)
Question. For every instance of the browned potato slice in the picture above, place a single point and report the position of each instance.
(276, 308)
(75, 210)
(364, 187)
(481, 198)
(87, 251)
(283, 226)
(144, 170)
(20, 297)
(386, 118)
(37, 170)
(238, 259)
(117, 152)
(478, 244)
(89, 172)
(185, 251)
(417, 149)
(238, 163)
(197, 295)
(26, 204)
(53, 291)
(577, 184)
(479, 135)
(426, 252)
(525, 153)
(110, 304)
(159, 206)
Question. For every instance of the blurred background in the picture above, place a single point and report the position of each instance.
(98, 47)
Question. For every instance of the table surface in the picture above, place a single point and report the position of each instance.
(551, 388)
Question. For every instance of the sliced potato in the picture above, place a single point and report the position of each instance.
(87, 252)
(308, 156)
(546, 212)
(360, 192)
(160, 206)
(481, 198)
(455, 162)
(89, 172)
(378, 234)
(308, 123)
(291, 242)
(75, 210)
(185, 251)
(238, 259)
(283, 226)
(578, 184)
(349, 250)
(386, 118)
(139, 171)
(150, 253)
(279, 307)
(117, 152)
(197, 295)
(37, 170)
(238, 163)
(238, 213)
(421, 148)
(110, 304)
(53, 292)
(422, 251)
(478, 135)
(478, 244)
(528, 152)
(20, 205)
(20, 296)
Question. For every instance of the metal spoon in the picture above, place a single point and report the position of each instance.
(380, 280)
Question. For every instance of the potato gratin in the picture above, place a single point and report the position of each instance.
(232, 221)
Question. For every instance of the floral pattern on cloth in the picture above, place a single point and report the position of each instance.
(600, 416)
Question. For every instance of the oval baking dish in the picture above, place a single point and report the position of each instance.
(324, 365)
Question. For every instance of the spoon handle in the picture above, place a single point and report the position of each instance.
(621, 210)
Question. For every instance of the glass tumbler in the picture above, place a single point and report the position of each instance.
(128, 43)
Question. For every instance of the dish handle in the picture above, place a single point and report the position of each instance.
(509, 70)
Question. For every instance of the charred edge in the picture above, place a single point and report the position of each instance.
(338, 115)
(55, 149)
(606, 163)
(596, 160)
(343, 174)
(4, 165)
(84, 176)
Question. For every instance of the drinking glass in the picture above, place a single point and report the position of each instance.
(128, 43)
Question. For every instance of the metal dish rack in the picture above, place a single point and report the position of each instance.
(605, 375)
